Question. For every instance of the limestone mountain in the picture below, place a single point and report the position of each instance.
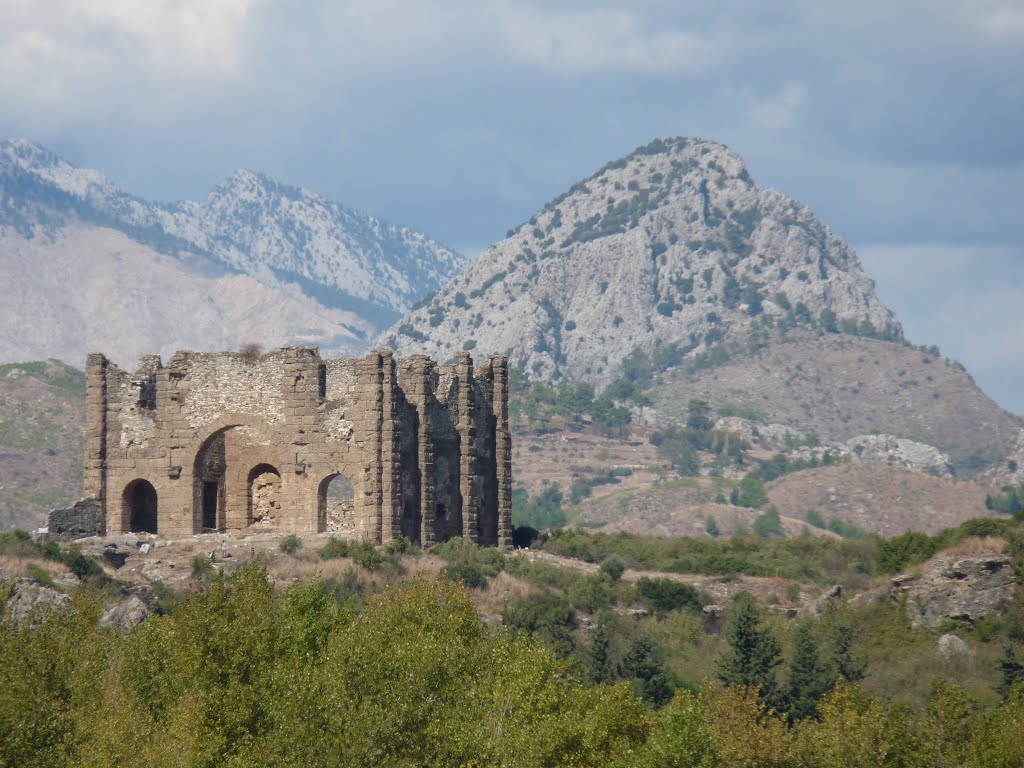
(257, 260)
(673, 247)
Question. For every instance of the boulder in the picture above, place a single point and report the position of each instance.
(956, 587)
(32, 602)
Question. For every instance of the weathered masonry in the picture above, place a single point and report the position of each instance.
(372, 448)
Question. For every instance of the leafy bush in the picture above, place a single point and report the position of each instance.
(469, 574)
(664, 595)
(202, 567)
(366, 555)
(768, 524)
(545, 615)
(334, 548)
(907, 549)
(613, 567)
(291, 544)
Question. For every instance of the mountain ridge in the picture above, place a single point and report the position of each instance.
(673, 244)
(250, 224)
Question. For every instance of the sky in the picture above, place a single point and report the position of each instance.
(899, 122)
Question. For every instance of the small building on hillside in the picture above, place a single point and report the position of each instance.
(371, 448)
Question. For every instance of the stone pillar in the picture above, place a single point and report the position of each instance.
(422, 368)
(369, 375)
(502, 449)
(467, 449)
(96, 437)
(391, 508)
(301, 394)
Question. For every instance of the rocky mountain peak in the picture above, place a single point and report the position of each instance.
(672, 247)
(249, 224)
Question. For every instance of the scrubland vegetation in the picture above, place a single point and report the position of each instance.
(391, 664)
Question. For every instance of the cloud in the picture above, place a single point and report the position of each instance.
(65, 55)
(781, 111)
(1004, 24)
(600, 41)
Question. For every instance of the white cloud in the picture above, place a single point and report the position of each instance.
(594, 41)
(1005, 24)
(64, 54)
(780, 112)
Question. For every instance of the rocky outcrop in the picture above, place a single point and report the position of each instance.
(899, 451)
(672, 245)
(877, 448)
(31, 602)
(958, 588)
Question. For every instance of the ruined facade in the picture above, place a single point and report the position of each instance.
(372, 448)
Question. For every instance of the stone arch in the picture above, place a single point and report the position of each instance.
(264, 484)
(220, 473)
(139, 507)
(336, 498)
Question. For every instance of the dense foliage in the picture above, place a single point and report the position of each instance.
(236, 675)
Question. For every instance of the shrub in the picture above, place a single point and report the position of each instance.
(402, 546)
(366, 555)
(546, 615)
(908, 549)
(333, 549)
(250, 351)
(469, 574)
(613, 567)
(768, 524)
(202, 567)
(291, 544)
(664, 595)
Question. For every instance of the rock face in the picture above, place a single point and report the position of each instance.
(900, 452)
(672, 245)
(32, 602)
(958, 588)
(318, 268)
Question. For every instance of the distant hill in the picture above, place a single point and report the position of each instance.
(839, 386)
(89, 266)
(42, 417)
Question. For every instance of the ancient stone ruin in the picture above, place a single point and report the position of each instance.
(372, 448)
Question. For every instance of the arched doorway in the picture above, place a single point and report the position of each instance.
(210, 475)
(336, 506)
(264, 496)
(139, 504)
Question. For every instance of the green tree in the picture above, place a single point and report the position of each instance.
(545, 615)
(1011, 673)
(711, 527)
(599, 663)
(698, 415)
(753, 651)
(650, 678)
(768, 524)
(809, 678)
(844, 664)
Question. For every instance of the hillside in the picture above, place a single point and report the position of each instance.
(672, 246)
(840, 386)
(252, 246)
(103, 291)
(41, 421)
(671, 271)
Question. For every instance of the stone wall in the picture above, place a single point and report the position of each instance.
(231, 441)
